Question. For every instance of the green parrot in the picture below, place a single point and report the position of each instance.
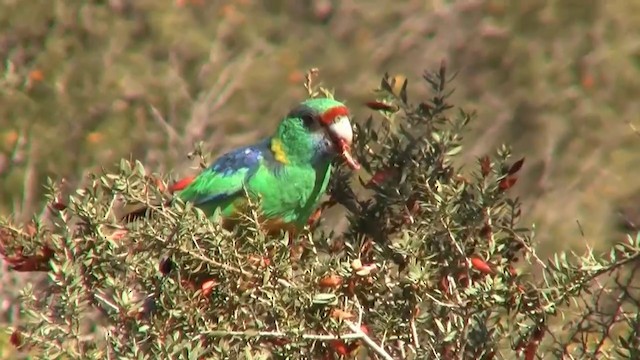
(288, 171)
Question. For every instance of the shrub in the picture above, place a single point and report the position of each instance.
(433, 263)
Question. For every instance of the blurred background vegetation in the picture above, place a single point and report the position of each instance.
(85, 83)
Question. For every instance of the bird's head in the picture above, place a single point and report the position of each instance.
(316, 129)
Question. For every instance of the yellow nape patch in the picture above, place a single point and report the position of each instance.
(278, 151)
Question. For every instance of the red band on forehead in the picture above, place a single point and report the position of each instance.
(329, 116)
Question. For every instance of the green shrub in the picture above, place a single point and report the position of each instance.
(433, 263)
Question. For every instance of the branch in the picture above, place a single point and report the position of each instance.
(526, 246)
(279, 334)
(414, 332)
(372, 344)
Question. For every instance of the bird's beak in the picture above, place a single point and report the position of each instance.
(341, 133)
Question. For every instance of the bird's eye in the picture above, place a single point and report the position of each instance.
(308, 120)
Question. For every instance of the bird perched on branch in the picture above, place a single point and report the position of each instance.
(288, 172)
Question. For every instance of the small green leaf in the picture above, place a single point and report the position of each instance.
(454, 151)
(325, 298)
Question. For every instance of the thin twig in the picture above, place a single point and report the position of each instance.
(210, 261)
(171, 131)
(633, 128)
(284, 283)
(279, 334)
(433, 350)
(204, 258)
(526, 246)
(414, 332)
(308, 80)
(453, 240)
(104, 300)
(432, 298)
(400, 345)
(228, 81)
(372, 344)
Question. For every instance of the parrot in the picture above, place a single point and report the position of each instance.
(288, 172)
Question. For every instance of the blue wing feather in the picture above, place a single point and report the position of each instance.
(248, 157)
(235, 169)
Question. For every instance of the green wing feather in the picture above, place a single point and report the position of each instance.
(211, 190)
(221, 185)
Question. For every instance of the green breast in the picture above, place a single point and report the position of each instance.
(292, 193)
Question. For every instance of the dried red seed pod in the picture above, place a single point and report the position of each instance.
(351, 287)
(16, 339)
(208, 286)
(313, 219)
(380, 106)
(378, 178)
(160, 185)
(485, 166)
(516, 167)
(47, 252)
(507, 183)
(530, 350)
(339, 347)
(166, 265)
(381, 176)
(444, 285)
(485, 232)
(480, 265)
(58, 205)
(463, 280)
(330, 281)
(340, 314)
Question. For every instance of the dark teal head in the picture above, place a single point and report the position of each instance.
(315, 130)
